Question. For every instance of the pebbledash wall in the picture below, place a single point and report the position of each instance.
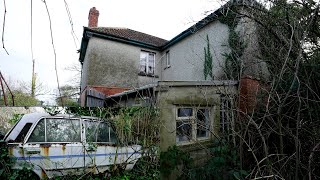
(114, 64)
(187, 56)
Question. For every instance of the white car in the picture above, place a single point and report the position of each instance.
(62, 145)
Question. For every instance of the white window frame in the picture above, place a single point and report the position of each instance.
(192, 120)
(147, 63)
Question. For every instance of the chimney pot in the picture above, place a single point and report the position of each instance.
(93, 17)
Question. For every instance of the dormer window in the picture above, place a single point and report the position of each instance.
(147, 63)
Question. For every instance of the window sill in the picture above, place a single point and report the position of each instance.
(148, 75)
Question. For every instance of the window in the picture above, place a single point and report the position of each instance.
(192, 124)
(226, 116)
(202, 122)
(63, 130)
(168, 59)
(99, 132)
(38, 134)
(56, 130)
(23, 133)
(147, 63)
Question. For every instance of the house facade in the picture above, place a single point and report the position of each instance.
(126, 59)
(187, 77)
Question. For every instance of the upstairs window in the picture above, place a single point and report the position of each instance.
(147, 63)
(168, 59)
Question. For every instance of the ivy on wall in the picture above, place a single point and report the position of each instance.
(207, 67)
(236, 44)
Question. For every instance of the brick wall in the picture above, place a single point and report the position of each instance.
(249, 88)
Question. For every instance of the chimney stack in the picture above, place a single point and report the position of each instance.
(93, 17)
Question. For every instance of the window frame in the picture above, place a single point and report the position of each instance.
(193, 120)
(226, 122)
(146, 72)
(168, 63)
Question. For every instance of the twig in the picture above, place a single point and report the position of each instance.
(4, 24)
(54, 51)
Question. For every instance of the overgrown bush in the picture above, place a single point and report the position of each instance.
(223, 164)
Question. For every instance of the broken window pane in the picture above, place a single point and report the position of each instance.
(38, 134)
(184, 112)
(184, 131)
(202, 123)
(63, 130)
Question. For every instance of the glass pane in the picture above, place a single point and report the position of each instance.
(168, 59)
(23, 133)
(103, 135)
(113, 136)
(225, 115)
(184, 131)
(143, 62)
(63, 130)
(38, 134)
(184, 112)
(91, 131)
(150, 70)
(202, 123)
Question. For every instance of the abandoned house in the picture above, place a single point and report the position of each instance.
(187, 77)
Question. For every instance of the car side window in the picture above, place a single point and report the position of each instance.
(99, 132)
(103, 135)
(113, 136)
(56, 130)
(63, 130)
(23, 133)
(91, 131)
(38, 134)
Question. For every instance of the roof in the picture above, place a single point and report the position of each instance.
(133, 37)
(149, 86)
(109, 90)
(129, 34)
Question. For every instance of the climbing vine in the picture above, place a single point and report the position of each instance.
(236, 44)
(207, 61)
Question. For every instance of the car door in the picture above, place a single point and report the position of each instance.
(55, 145)
(102, 149)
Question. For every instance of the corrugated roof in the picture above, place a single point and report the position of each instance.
(130, 34)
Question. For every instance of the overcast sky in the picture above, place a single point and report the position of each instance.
(162, 18)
